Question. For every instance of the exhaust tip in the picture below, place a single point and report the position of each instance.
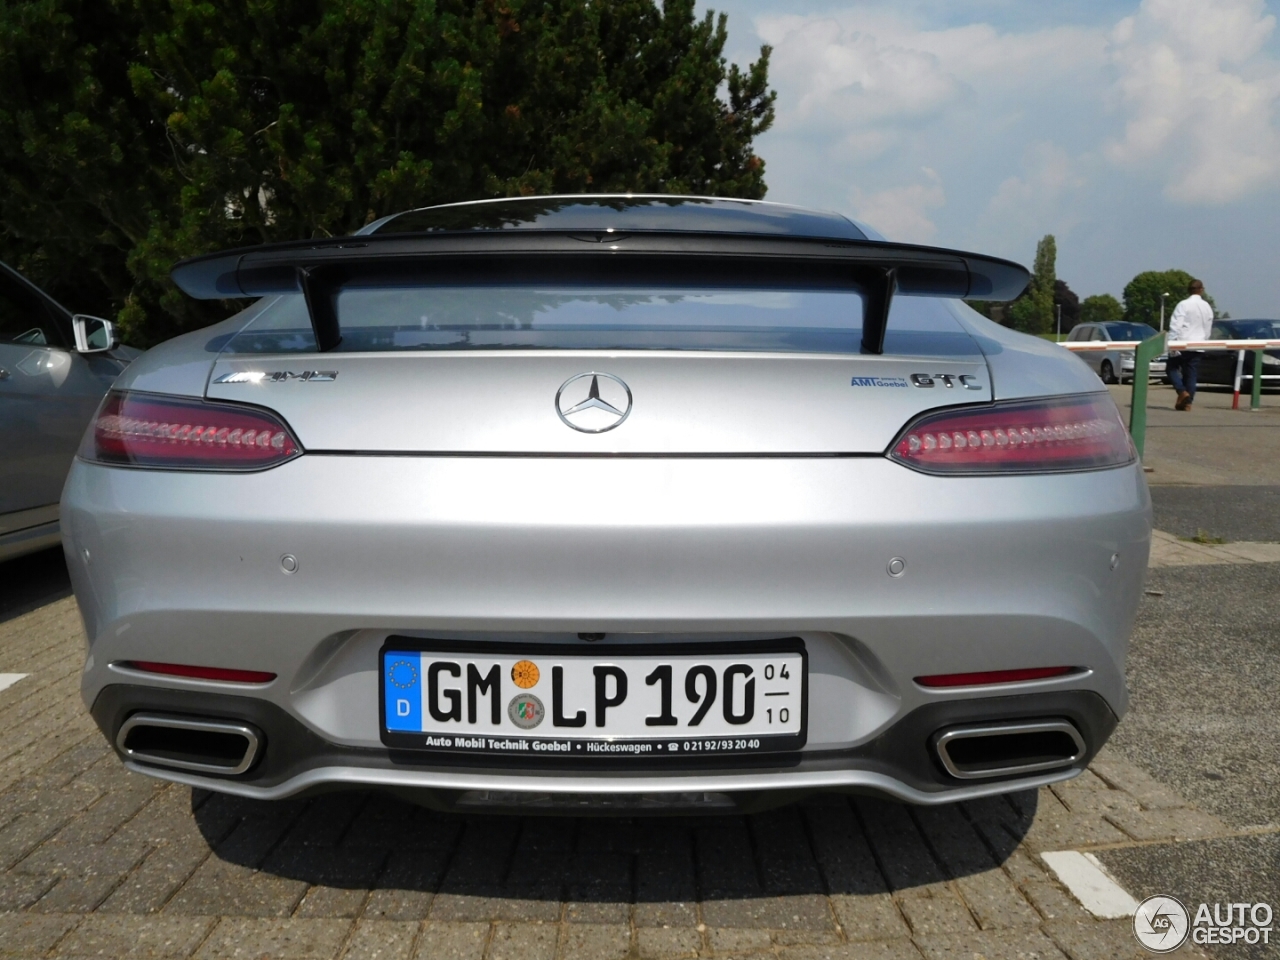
(986, 750)
(225, 747)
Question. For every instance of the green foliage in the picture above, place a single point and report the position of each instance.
(1142, 295)
(78, 175)
(178, 127)
(1033, 312)
(1066, 306)
(1101, 308)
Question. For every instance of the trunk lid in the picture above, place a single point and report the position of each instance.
(680, 403)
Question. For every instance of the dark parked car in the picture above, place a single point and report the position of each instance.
(55, 367)
(1219, 366)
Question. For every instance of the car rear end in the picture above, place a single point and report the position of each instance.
(440, 565)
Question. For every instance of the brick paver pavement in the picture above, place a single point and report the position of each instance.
(99, 862)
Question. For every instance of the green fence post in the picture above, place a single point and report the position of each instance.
(1147, 351)
(1255, 401)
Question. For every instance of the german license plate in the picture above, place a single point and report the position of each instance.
(615, 701)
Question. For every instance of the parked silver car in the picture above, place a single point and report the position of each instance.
(611, 503)
(1115, 366)
(55, 368)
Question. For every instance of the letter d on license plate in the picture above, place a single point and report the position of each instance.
(608, 701)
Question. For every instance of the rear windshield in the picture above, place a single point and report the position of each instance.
(533, 317)
(621, 214)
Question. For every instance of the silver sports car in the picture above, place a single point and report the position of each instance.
(613, 503)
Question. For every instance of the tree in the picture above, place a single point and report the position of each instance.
(250, 121)
(1066, 301)
(1033, 311)
(1142, 295)
(1101, 308)
(78, 149)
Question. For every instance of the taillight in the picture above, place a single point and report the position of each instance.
(148, 430)
(1037, 436)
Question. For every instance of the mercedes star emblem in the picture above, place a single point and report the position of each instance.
(593, 402)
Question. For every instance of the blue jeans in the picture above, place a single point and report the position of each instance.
(1182, 370)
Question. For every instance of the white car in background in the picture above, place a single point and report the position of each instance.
(1115, 366)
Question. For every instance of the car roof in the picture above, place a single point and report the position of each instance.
(622, 213)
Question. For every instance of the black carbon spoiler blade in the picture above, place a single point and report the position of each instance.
(877, 270)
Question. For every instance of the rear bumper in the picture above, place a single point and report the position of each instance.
(1001, 573)
(900, 762)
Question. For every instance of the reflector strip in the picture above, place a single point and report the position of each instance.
(992, 676)
(200, 673)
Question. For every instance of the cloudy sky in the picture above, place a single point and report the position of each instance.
(1144, 135)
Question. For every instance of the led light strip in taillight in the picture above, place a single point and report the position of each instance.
(149, 430)
(133, 429)
(1010, 436)
(1060, 433)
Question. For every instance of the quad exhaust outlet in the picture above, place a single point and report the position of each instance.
(226, 747)
(981, 751)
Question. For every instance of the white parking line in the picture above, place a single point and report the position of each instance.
(7, 680)
(1090, 883)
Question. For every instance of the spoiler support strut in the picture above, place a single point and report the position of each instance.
(320, 307)
(877, 298)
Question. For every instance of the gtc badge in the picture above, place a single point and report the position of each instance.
(593, 402)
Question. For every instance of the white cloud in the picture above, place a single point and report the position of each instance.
(1144, 134)
(1200, 94)
(867, 94)
(877, 78)
(899, 212)
(863, 72)
(1023, 204)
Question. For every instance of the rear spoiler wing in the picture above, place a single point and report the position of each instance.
(877, 270)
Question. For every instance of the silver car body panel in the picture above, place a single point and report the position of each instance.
(702, 403)
(651, 783)
(25, 531)
(181, 366)
(1020, 365)
(48, 394)
(1000, 571)
(46, 401)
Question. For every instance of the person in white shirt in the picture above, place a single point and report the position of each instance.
(1192, 320)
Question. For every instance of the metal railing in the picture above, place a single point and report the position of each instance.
(1144, 351)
